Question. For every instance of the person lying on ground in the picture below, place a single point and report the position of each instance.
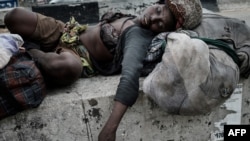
(125, 98)
(116, 44)
(200, 68)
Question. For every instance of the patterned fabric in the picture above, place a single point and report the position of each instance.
(70, 39)
(73, 29)
(154, 53)
(88, 70)
(156, 48)
(108, 33)
(21, 84)
(189, 10)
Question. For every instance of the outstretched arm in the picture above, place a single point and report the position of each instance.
(108, 132)
(135, 42)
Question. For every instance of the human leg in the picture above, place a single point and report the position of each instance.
(21, 21)
(59, 69)
(34, 27)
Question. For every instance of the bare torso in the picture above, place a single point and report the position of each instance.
(92, 41)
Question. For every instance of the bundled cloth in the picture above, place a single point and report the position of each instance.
(191, 78)
(9, 45)
(22, 85)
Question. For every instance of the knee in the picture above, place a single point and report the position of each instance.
(11, 16)
(21, 21)
(66, 70)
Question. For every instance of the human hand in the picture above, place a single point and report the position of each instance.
(107, 135)
(108, 132)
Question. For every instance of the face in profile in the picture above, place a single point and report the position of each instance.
(157, 18)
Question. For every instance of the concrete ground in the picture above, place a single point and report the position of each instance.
(78, 112)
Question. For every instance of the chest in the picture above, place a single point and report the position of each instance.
(111, 32)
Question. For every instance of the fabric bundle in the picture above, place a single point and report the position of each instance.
(22, 85)
(191, 79)
(9, 45)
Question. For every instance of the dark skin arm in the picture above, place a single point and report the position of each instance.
(108, 132)
(134, 52)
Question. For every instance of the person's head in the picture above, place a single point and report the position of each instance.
(157, 18)
(169, 15)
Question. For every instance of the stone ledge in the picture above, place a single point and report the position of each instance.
(79, 111)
